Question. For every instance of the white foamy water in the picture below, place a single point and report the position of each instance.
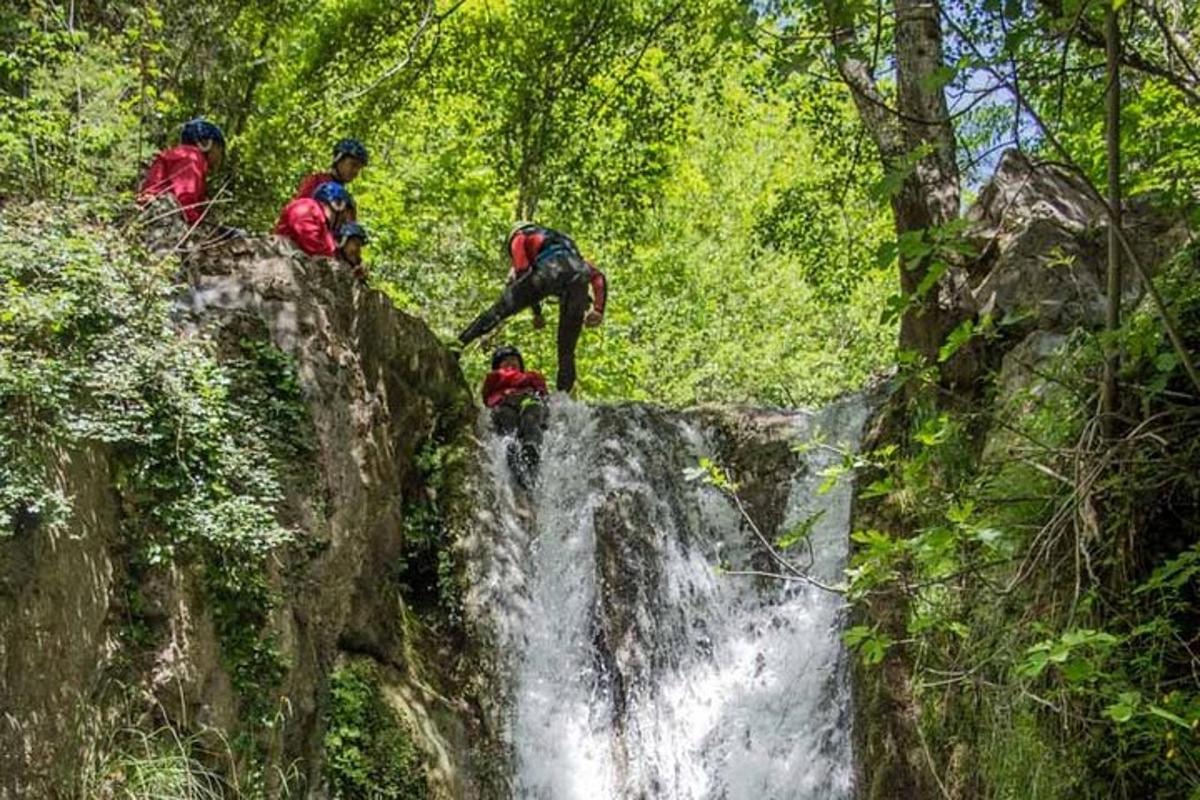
(632, 667)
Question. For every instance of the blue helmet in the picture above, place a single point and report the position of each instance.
(350, 147)
(332, 192)
(198, 130)
(352, 230)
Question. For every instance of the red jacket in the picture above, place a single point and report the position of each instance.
(506, 381)
(599, 287)
(182, 171)
(311, 183)
(524, 249)
(303, 221)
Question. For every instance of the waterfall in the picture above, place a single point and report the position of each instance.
(629, 662)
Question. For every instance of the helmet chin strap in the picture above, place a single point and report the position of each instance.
(205, 145)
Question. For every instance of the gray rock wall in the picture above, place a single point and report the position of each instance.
(379, 387)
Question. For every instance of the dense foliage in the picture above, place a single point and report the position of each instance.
(1050, 583)
(369, 749)
(690, 168)
(728, 164)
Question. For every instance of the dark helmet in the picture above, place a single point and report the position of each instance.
(332, 192)
(350, 147)
(506, 351)
(199, 130)
(351, 230)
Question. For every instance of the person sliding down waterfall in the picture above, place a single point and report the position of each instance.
(546, 263)
(349, 158)
(515, 396)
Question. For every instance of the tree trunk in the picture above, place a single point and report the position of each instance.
(1112, 123)
(891, 760)
(929, 195)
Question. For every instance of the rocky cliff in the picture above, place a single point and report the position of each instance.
(1008, 395)
(100, 636)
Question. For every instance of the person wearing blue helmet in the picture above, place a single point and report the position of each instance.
(310, 221)
(349, 158)
(182, 171)
(351, 238)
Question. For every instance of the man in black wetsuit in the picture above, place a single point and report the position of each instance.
(546, 263)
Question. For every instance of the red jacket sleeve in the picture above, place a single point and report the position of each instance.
(310, 184)
(490, 386)
(537, 382)
(303, 221)
(182, 171)
(599, 288)
(156, 179)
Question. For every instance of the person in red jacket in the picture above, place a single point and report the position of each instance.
(310, 221)
(182, 171)
(546, 263)
(349, 158)
(515, 396)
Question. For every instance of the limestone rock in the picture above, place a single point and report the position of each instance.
(1042, 239)
(378, 387)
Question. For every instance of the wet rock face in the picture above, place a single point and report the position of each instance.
(56, 587)
(379, 388)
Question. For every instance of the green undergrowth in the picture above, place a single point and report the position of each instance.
(1048, 577)
(430, 573)
(137, 764)
(369, 750)
(202, 430)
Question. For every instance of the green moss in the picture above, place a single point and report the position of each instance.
(369, 750)
(430, 572)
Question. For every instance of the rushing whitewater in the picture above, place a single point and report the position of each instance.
(630, 662)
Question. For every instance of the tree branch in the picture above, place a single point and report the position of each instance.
(414, 41)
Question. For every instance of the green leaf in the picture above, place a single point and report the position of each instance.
(1119, 712)
(1034, 664)
(955, 341)
(799, 532)
(1169, 717)
(879, 488)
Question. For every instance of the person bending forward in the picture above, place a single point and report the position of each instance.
(546, 263)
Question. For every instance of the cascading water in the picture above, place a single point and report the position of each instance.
(630, 662)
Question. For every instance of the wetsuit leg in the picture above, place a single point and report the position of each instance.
(505, 418)
(573, 307)
(529, 431)
(519, 295)
(566, 275)
(532, 422)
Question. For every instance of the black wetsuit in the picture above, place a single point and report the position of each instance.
(558, 271)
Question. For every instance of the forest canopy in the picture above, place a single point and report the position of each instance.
(778, 191)
(702, 171)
